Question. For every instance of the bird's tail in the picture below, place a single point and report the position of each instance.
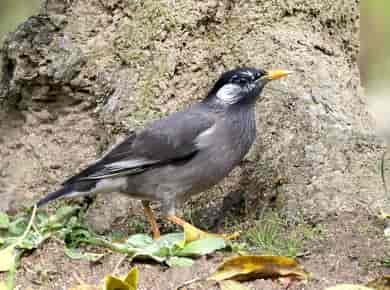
(54, 195)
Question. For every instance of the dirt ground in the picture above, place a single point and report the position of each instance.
(76, 78)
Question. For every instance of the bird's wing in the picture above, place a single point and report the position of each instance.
(171, 139)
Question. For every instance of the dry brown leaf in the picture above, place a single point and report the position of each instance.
(382, 283)
(244, 268)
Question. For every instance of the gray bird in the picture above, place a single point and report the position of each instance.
(182, 154)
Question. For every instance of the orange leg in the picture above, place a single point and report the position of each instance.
(151, 219)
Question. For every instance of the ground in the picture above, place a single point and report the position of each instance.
(78, 76)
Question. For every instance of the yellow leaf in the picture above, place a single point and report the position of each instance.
(382, 283)
(349, 287)
(244, 268)
(7, 258)
(128, 283)
(192, 233)
(115, 283)
(231, 285)
(132, 278)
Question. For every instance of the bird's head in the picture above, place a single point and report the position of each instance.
(242, 85)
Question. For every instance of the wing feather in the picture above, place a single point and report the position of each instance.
(170, 139)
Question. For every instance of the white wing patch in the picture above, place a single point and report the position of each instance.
(229, 93)
(129, 163)
(205, 139)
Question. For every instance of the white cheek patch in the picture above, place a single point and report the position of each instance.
(229, 93)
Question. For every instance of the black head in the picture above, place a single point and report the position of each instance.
(242, 85)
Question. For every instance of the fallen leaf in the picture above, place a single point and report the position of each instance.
(382, 283)
(201, 247)
(7, 258)
(192, 233)
(132, 278)
(348, 287)
(231, 285)
(115, 283)
(127, 283)
(244, 268)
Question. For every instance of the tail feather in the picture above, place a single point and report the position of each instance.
(54, 195)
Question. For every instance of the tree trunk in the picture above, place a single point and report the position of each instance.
(81, 74)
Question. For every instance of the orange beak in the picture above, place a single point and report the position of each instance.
(276, 74)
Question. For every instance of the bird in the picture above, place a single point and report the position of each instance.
(182, 154)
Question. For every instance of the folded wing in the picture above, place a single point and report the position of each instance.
(168, 140)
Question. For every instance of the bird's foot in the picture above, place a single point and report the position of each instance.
(192, 233)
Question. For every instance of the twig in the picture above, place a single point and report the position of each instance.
(30, 223)
(189, 282)
(118, 264)
(383, 173)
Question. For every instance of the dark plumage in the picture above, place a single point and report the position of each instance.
(182, 154)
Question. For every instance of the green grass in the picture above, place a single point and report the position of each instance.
(273, 236)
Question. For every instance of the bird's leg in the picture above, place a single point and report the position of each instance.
(151, 219)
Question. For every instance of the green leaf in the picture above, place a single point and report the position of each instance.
(79, 255)
(32, 241)
(17, 227)
(4, 221)
(139, 241)
(170, 240)
(201, 247)
(179, 262)
(8, 258)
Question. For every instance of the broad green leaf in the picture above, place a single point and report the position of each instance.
(79, 255)
(232, 285)
(17, 226)
(243, 268)
(139, 241)
(201, 247)
(4, 221)
(349, 287)
(169, 240)
(179, 262)
(8, 258)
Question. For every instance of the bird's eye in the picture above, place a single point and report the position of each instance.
(238, 80)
